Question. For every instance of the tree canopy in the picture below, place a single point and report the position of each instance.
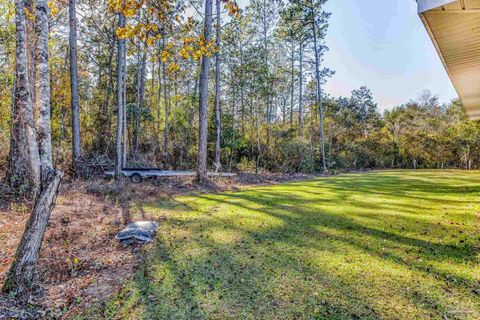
(269, 109)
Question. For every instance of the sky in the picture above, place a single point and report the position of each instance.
(382, 44)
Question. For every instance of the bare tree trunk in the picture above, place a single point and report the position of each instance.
(159, 92)
(153, 74)
(140, 97)
(175, 86)
(218, 165)
(136, 114)
(257, 137)
(292, 89)
(242, 91)
(319, 86)
(300, 92)
(124, 118)
(42, 103)
(23, 172)
(105, 119)
(203, 103)
(330, 145)
(167, 113)
(234, 127)
(120, 96)
(31, 39)
(63, 109)
(62, 124)
(267, 71)
(22, 271)
(76, 152)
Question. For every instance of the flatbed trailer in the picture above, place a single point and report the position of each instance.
(137, 175)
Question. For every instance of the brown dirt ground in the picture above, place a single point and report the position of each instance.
(80, 261)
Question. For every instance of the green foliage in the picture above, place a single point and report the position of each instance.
(7, 50)
(144, 113)
(259, 97)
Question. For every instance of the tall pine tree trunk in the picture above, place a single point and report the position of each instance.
(330, 145)
(159, 91)
(319, 88)
(242, 90)
(292, 88)
(142, 63)
(203, 103)
(257, 138)
(105, 120)
(23, 172)
(124, 107)
(76, 152)
(120, 97)
(300, 92)
(166, 97)
(267, 71)
(218, 136)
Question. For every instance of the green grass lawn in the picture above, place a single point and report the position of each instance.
(389, 245)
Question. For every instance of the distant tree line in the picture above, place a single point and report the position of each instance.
(419, 134)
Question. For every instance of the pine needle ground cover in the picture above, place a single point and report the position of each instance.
(382, 245)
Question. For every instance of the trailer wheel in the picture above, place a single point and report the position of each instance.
(136, 178)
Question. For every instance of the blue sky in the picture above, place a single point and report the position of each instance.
(383, 45)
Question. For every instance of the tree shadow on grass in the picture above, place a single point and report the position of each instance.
(302, 228)
(235, 281)
(309, 220)
(202, 278)
(158, 302)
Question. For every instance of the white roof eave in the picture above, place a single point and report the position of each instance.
(425, 5)
(454, 27)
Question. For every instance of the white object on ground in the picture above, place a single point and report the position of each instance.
(138, 232)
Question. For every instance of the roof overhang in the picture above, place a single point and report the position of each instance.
(454, 27)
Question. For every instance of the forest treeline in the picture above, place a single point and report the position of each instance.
(263, 103)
